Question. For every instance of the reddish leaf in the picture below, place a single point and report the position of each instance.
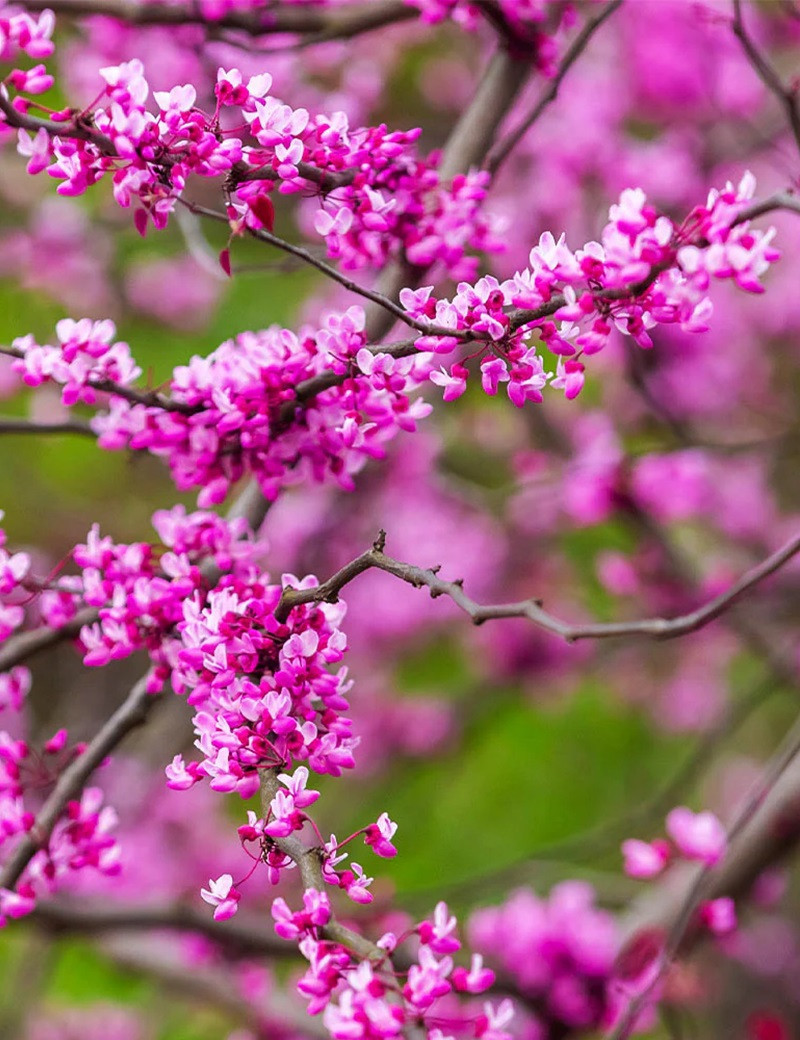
(140, 221)
(263, 209)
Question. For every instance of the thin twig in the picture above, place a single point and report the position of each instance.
(331, 272)
(499, 154)
(150, 398)
(787, 96)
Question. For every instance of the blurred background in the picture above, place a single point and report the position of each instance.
(509, 758)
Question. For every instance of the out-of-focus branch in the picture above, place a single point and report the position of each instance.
(606, 836)
(131, 714)
(658, 628)
(238, 936)
(767, 825)
(787, 96)
(498, 155)
(210, 988)
(25, 644)
(320, 24)
(473, 134)
(12, 424)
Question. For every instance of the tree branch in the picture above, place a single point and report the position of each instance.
(465, 148)
(757, 834)
(787, 96)
(334, 274)
(11, 424)
(25, 644)
(237, 936)
(657, 627)
(309, 864)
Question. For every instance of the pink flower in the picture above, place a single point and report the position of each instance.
(14, 905)
(454, 382)
(378, 835)
(719, 915)
(222, 895)
(643, 859)
(356, 884)
(439, 934)
(476, 979)
(491, 1025)
(296, 784)
(698, 836)
(181, 777)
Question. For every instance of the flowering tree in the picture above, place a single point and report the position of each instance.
(570, 209)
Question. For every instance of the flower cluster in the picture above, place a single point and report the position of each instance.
(645, 271)
(85, 360)
(264, 695)
(286, 815)
(387, 201)
(259, 678)
(81, 838)
(244, 408)
(401, 204)
(263, 692)
(140, 593)
(367, 999)
(22, 33)
(559, 952)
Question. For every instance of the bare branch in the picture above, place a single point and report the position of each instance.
(237, 936)
(205, 986)
(657, 628)
(314, 261)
